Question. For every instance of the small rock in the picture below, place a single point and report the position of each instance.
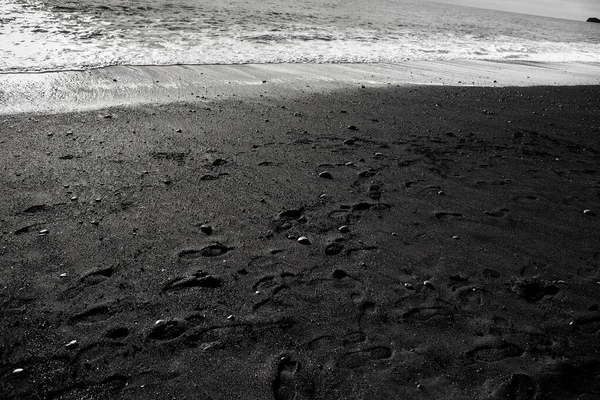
(349, 164)
(178, 130)
(303, 240)
(428, 284)
(44, 232)
(74, 198)
(63, 275)
(325, 175)
(72, 344)
(349, 142)
(97, 199)
(441, 193)
(378, 154)
(455, 237)
(18, 370)
(588, 212)
(159, 321)
(207, 229)
(409, 286)
(352, 128)
(344, 229)
(231, 317)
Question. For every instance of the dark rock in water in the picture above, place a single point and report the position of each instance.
(593, 19)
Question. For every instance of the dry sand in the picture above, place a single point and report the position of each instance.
(153, 252)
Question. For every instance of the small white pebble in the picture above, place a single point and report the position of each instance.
(409, 286)
(159, 321)
(455, 237)
(230, 317)
(73, 198)
(71, 344)
(63, 275)
(588, 212)
(18, 370)
(344, 228)
(441, 193)
(43, 232)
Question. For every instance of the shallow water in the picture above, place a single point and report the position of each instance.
(59, 35)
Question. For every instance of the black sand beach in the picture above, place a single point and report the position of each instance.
(422, 242)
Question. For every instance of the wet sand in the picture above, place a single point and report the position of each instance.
(425, 242)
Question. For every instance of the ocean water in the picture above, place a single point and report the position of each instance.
(42, 35)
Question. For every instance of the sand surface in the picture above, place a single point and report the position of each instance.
(418, 242)
(68, 91)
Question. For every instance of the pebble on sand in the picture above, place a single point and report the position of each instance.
(428, 284)
(72, 344)
(352, 128)
(325, 175)
(18, 370)
(303, 240)
(43, 232)
(456, 237)
(587, 211)
(344, 229)
(207, 229)
(409, 286)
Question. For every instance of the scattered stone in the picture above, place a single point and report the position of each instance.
(589, 212)
(44, 232)
(303, 240)
(441, 193)
(456, 237)
(352, 128)
(231, 317)
(344, 229)
(159, 321)
(349, 164)
(207, 229)
(72, 344)
(325, 175)
(349, 142)
(428, 284)
(378, 154)
(18, 370)
(63, 275)
(74, 198)
(409, 286)
(178, 130)
(97, 199)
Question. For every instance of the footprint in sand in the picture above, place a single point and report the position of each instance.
(95, 313)
(495, 353)
(90, 278)
(213, 250)
(167, 330)
(497, 213)
(284, 384)
(364, 358)
(521, 387)
(198, 279)
(448, 215)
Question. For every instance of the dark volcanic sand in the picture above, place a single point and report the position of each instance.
(468, 270)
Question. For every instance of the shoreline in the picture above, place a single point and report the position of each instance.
(64, 91)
